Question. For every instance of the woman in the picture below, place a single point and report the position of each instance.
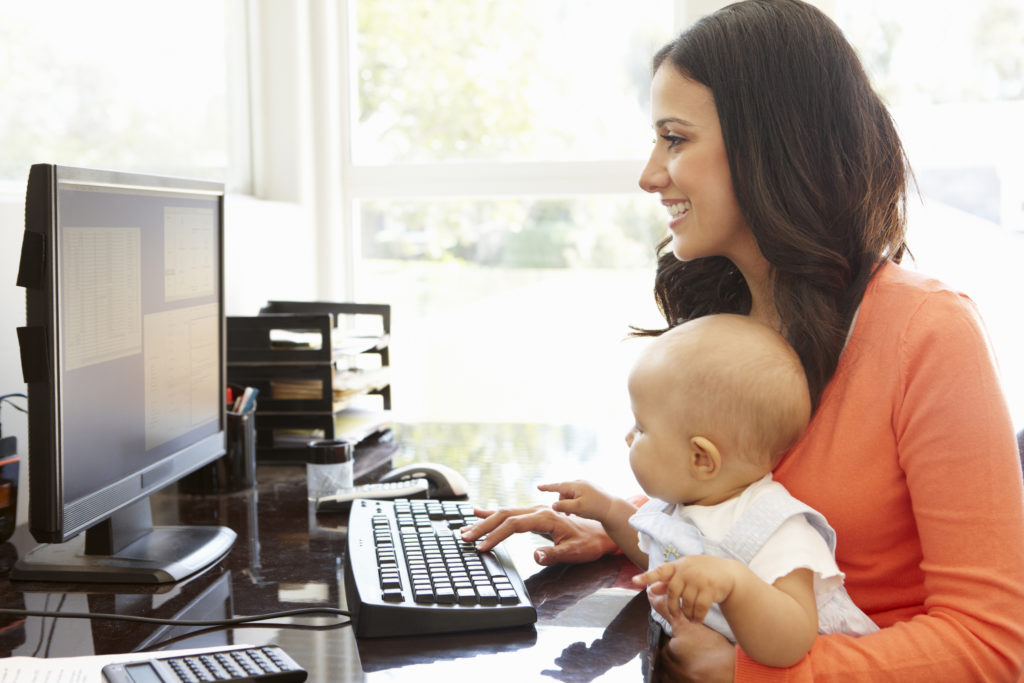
(785, 183)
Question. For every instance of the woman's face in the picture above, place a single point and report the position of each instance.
(689, 169)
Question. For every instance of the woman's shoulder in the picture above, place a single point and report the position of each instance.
(898, 279)
(898, 293)
(907, 310)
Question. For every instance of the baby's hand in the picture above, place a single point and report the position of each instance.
(580, 498)
(690, 585)
(660, 605)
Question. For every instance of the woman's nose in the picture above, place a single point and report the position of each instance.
(629, 436)
(654, 177)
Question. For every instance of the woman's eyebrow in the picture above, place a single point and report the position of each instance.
(674, 119)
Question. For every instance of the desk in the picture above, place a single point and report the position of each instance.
(591, 623)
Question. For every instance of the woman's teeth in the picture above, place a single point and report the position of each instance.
(676, 210)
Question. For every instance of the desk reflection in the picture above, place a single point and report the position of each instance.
(592, 623)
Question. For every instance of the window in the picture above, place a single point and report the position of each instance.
(496, 150)
(523, 80)
(114, 84)
(489, 154)
(480, 131)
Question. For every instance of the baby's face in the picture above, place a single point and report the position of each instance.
(658, 440)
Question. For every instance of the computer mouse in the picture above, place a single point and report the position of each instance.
(444, 482)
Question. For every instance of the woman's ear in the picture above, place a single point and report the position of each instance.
(705, 458)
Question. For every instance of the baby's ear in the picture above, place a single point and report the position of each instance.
(705, 458)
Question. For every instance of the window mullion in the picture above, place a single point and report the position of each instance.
(491, 179)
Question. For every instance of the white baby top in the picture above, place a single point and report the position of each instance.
(765, 528)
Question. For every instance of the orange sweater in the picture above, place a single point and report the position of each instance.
(911, 457)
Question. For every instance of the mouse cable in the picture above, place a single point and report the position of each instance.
(234, 621)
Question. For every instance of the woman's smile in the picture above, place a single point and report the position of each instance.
(677, 211)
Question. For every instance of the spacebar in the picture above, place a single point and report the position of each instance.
(492, 565)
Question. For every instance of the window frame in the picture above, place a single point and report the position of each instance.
(302, 138)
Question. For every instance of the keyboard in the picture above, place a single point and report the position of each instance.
(407, 572)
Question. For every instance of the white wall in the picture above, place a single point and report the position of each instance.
(273, 249)
(269, 253)
(12, 316)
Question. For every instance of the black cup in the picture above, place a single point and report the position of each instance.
(236, 469)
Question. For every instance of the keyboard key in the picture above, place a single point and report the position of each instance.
(492, 565)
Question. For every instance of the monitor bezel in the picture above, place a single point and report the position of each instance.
(51, 521)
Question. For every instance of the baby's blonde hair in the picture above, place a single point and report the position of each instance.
(753, 399)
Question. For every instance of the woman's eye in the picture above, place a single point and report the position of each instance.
(673, 140)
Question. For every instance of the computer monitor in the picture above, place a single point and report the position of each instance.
(123, 354)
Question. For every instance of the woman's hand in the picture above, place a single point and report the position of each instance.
(575, 539)
(694, 653)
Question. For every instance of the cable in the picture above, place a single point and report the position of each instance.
(53, 627)
(235, 621)
(161, 644)
(42, 626)
(6, 398)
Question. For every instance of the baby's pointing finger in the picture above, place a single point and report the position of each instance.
(655, 575)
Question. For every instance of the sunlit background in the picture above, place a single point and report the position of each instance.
(474, 164)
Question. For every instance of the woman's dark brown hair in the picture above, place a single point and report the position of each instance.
(817, 167)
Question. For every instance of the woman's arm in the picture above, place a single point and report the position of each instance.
(915, 457)
(955, 614)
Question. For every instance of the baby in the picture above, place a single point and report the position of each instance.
(717, 402)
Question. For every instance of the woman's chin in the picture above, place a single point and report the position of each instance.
(681, 253)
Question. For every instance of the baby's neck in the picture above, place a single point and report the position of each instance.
(727, 491)
(717, 498)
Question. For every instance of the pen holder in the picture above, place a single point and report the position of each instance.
(236, 469)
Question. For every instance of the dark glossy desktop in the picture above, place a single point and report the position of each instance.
(592, 623)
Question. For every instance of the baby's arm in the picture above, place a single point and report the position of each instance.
(586, 500)
(775, 624)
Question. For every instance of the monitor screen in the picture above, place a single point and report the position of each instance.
(123, 354)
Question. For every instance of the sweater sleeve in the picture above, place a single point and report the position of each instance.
(956, 449)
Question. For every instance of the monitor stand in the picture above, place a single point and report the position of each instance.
(127, 548)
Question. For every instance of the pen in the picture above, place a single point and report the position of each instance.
(240, 400)
(249, 399)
